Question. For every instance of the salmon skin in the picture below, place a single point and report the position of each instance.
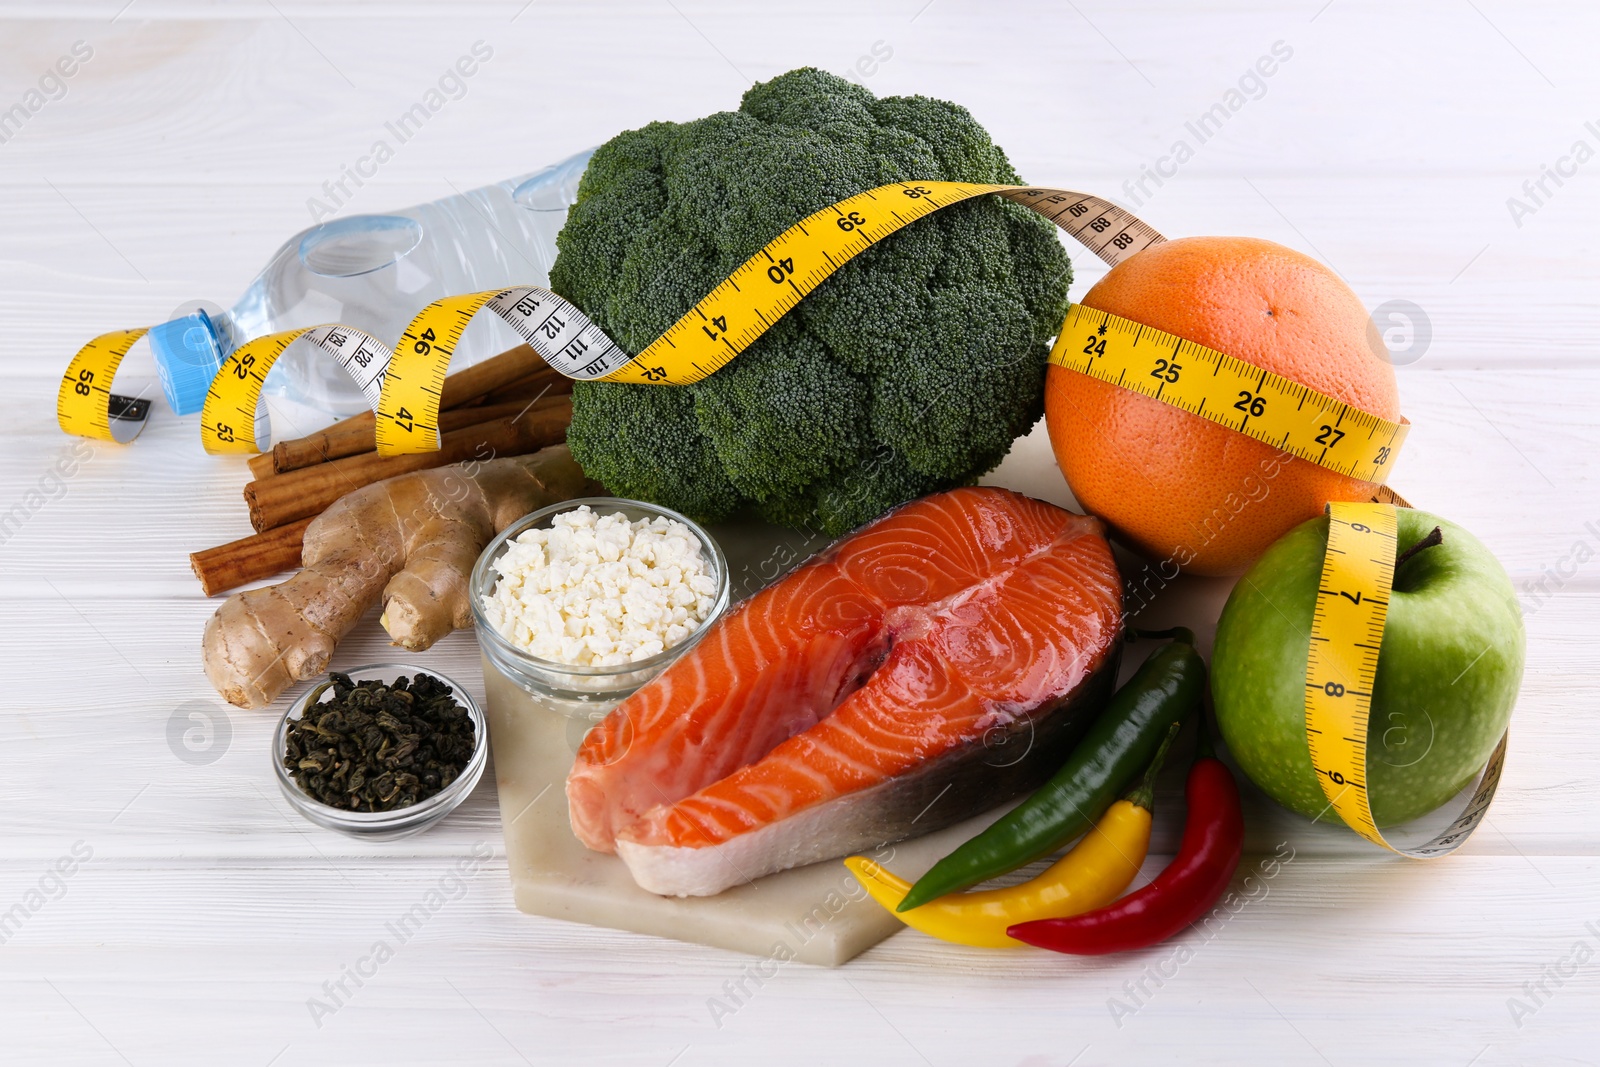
(937, 662)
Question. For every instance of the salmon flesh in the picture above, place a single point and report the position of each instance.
(937, 662)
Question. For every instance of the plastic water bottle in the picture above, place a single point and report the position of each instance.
(374, 273)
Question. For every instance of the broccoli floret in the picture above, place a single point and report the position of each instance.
(911, 369)
(784, 416)
(645, 439)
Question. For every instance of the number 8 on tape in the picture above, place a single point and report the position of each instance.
(1346, 635)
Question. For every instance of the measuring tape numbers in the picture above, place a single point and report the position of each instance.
(85, 404)
(408, 409)
(1197, 379)
(726, 320)
(768, 284)
(233, 418)
(1346, 635)
(404, 385)
(1230, 392)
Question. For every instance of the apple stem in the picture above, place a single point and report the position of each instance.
(1435, 537)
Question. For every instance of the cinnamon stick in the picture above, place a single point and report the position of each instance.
(250, 558)
(357, 434)
(508, 369)
(265, 554)
(262, 465)
(546, 381)
(283, 498)
(482, 378)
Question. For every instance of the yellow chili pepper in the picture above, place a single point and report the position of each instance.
(1093, 874)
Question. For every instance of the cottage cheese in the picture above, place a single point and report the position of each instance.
(598, 590)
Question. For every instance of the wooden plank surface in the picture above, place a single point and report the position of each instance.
(207, 918)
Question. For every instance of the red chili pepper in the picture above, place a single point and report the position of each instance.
(1213, 840)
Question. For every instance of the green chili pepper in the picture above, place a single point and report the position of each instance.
(1121, 743)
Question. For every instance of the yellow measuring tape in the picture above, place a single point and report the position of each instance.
(404, 385)
(728, 319)
(408, 410)
(1200, 380)
(1229, 392)
(233, 420)
(85, 404)
(1346, 635)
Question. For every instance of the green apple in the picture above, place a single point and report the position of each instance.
(1448, 671)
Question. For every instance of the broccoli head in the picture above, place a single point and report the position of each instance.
(911, 369)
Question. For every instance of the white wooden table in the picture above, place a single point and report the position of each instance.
(206, 916)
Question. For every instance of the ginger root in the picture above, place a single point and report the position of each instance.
(411, 540)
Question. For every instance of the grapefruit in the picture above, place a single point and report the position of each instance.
(1175, 486)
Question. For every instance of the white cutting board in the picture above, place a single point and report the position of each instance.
(817, 914)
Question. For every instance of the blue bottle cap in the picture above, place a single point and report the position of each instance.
(189, 352)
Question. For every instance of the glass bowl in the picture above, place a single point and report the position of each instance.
(400, 822)
(585, 692)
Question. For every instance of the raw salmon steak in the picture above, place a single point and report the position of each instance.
(937, 662)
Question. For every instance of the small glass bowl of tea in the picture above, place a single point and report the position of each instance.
(395, 822)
